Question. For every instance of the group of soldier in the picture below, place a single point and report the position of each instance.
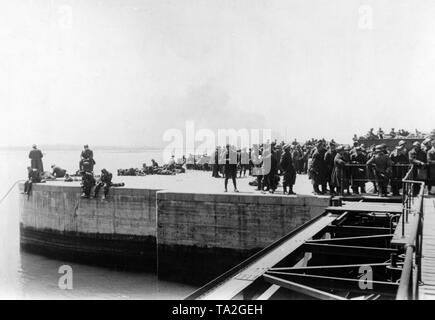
(343, 167)
(36, 173)
(393, 134)
(333, 169)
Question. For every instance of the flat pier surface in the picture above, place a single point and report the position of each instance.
(194, 181)
(427, 289)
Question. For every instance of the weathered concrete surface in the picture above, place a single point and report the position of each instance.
(120, 232)
(201, 235)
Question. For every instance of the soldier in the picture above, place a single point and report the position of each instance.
(339, 177)
(244, 162)
(348, 173)
(286, 163)
(58, 172)
(87, 154)
(426, 145)
(230, 167)
(431, 166)
(418, 159)
(358, 172)
(257, 162)
(272, 176)
(296, 156)
(104, 181)
(34, 176)
(35, 156)
(215, 166)
(329, 162)
(400, 161)
(382, 164)
(402, 144)
(319, 169)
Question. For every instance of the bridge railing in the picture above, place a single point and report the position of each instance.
(412, 204)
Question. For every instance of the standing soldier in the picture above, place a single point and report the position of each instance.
(288, 169)
(382, 164)
(87, 154)
(431, 167)
(339, 178)
(318, 169)
(418, 159)
(35, 156)
(273, 172)
(244, 162)
(296, 158)
(426, 145)
(370, 172)
(358, 172)
(348, 174)
(400, 162)
(230, 167)
(329, 162)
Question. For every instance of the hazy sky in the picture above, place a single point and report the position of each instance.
(121, 72)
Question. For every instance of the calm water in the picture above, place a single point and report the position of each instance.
(28, 276)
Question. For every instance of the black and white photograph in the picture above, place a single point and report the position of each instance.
(225, 150)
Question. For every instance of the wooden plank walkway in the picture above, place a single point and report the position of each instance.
(427, 290)
(234, 285)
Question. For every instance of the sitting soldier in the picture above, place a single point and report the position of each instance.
(104, 181)
(34, 176)
(88, 181)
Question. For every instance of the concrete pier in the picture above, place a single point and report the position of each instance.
(153, 223)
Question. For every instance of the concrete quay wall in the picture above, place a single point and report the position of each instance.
(201, 235)
(187, 237)
(56, 221)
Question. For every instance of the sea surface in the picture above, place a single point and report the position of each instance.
(29, 276)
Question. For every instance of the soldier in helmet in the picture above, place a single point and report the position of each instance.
(104, 181)
(319, 169)
(418, 158)
(400, 161)
(431, 166)
(340, 179)
(382, 165)
(329, 161)
(358, 172)
(87, 154)
(426, 145)
(289, 172)
(230, 167)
